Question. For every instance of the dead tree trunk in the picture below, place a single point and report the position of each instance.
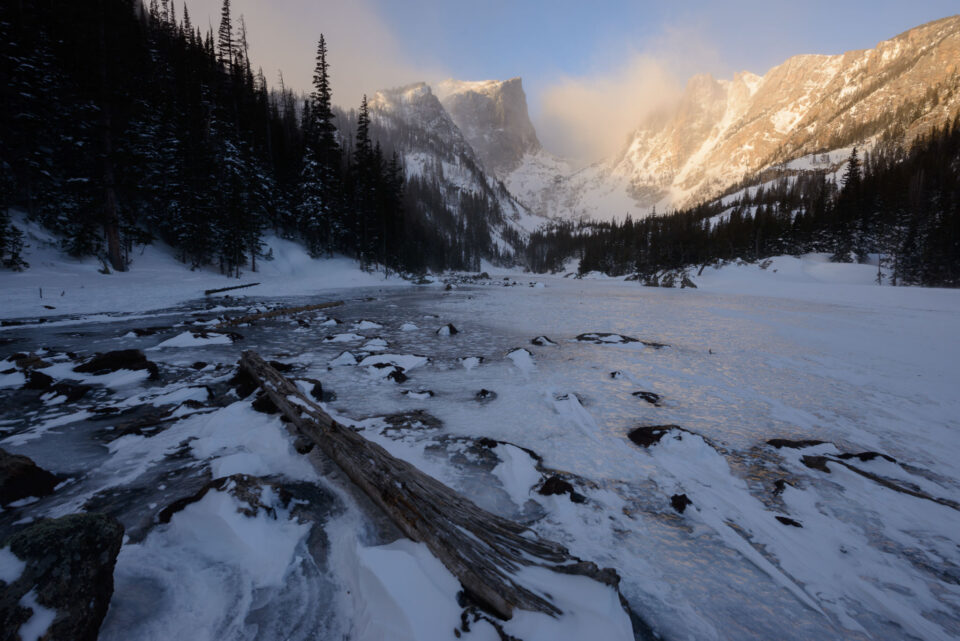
(482, 550)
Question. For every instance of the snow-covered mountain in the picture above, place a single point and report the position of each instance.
(493, 117)
(721, 131)
(412, 120)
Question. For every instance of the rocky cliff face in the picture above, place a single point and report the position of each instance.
(724, 130)
(493, 117)
(412, 120)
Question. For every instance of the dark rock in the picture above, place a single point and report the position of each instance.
(616, 374)
(556, 485)
(199, 365)
(686, 282)
(280, 367)
(397, 375)
(29, 361)
(542, 341)
(148, 331)
(483, 275)
(263, 404)
(448, 330)
(680, 502)
(651, 434)
(38, 381)
(654, 344)
(598, 338)
(866, 456)
(20, 477)
(447, 287)
(650, 397)
(486, 395)
(783, 442)
(417, 420)
(779, 486)
(816, 463)
(788, 521)
(72, 391)
(104, 363)
(668, 280)
(243, 383)
(144, 420)
(69, 564)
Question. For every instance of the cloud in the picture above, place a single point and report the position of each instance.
(364, 55)
(590, 117)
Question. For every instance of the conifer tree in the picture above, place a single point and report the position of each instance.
(225, 37)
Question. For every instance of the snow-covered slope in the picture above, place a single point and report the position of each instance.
(414, 122)
(723, 130)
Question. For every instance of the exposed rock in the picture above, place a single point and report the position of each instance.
(686, 282)
(148, 331)
(651, 434)
(29, 361)
(486, 395)
(20, 477)
(69, 566)
(72, 391)
(447, 330)
(105, 363)
(605, 338)
(650, 397)
(866, 456)
(397, 375)
(783, 442)
(679, 502)
(556, 485)
(543, 341)
(38, 381)
(816, 463)
(788, 521)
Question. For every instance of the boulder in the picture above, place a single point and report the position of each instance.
(68, 569)
(107, 362)
(20, 477)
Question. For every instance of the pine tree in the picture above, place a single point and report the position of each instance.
(319, 208)
(225, 37)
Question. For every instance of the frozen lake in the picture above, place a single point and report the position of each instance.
(867, 546)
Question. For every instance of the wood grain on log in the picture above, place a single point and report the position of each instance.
(484, 551)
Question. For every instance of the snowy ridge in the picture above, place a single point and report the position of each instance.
(722, 131)
(434, 148)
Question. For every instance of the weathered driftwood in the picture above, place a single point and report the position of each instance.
(481, 549)
(285, 311)
(207, 292)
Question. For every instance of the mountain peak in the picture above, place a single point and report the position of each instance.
(492, 114)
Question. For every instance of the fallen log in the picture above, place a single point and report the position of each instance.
(207, 292)
(277, 312)
(482, 550)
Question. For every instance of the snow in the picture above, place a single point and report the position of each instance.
(345, 358)
(11, 567)
(40, 619)
(801, 349)
(189, 339)
(517, 472)
(408, 327)
(157, 280)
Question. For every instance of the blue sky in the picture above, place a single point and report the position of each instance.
(575, 56)
(541, 40)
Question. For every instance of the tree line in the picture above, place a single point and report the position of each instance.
(122, 123)
(899, 202)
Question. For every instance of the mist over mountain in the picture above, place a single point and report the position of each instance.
(720, 131)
